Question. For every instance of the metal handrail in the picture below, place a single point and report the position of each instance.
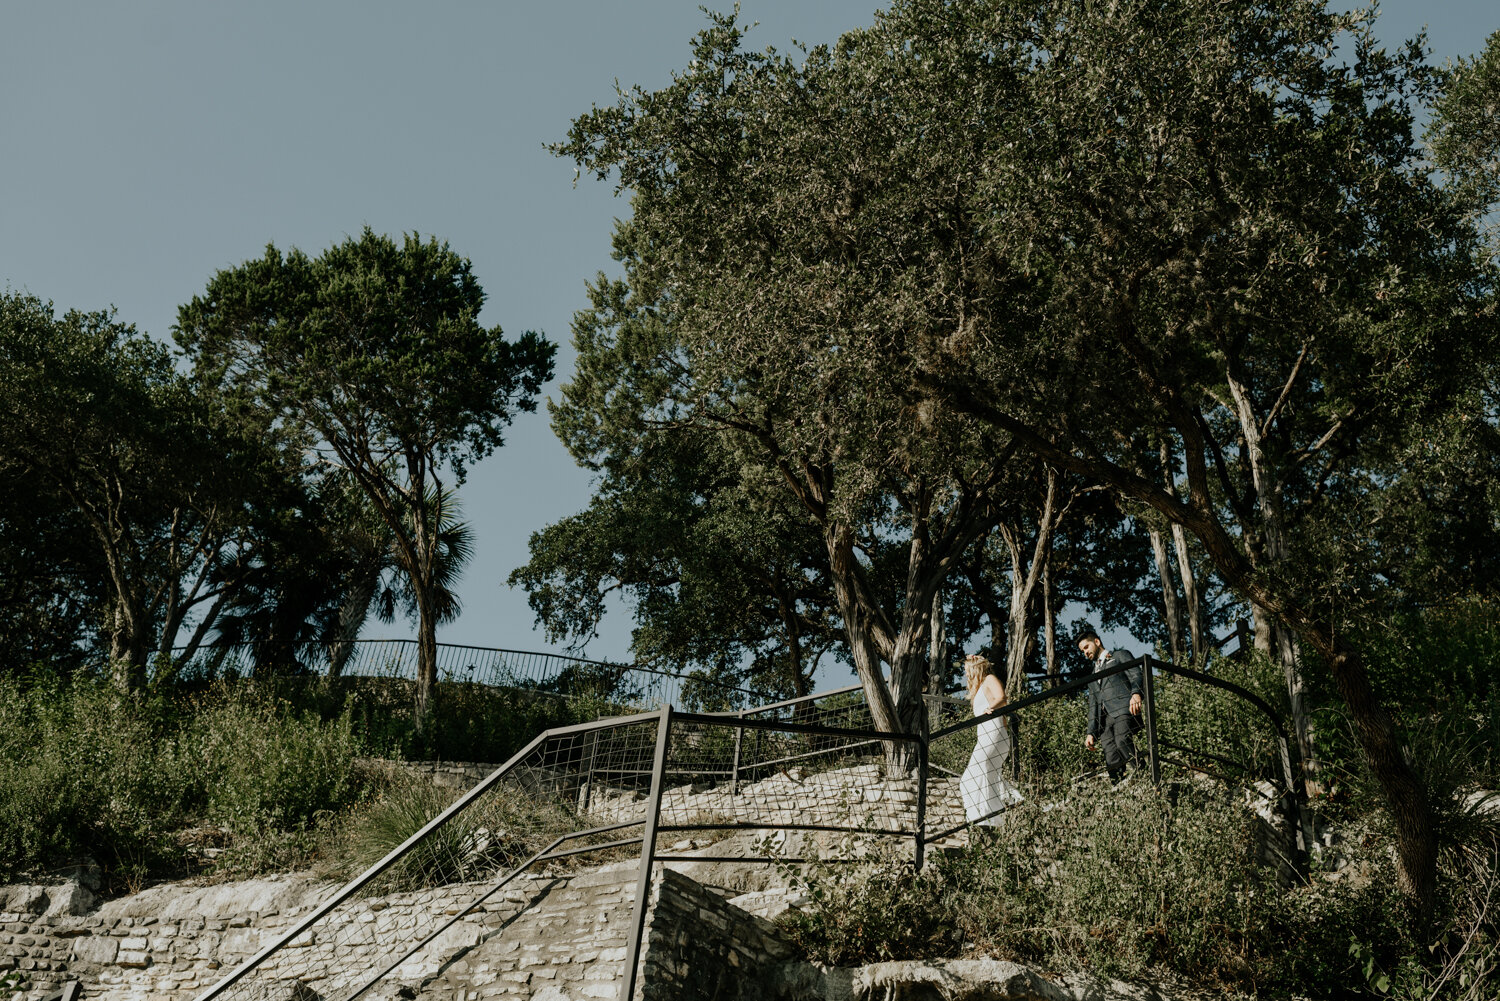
(651, 823)
(396, 854)
(674, 681)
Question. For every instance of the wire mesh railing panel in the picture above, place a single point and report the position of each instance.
(840, 707)
(828, 778)
(1209, 731)
(583, 785)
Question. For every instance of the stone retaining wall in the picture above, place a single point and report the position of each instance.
(459, 775)
(700, 947)
(557, 938)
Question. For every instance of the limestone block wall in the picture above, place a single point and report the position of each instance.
(460, 776)
(553, 938)
(167, 942)
(173, 942)
(569, 943)
(700, 946)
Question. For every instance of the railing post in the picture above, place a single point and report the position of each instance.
(734, 774)
(588, 776)
(921, 851)
(1148, 688)
(648, 855)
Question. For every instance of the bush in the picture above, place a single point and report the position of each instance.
(505, 826)
(1117, 881)
(85, 771)
(81, 773)
(868, 912)
(468, 721)
(256, 765)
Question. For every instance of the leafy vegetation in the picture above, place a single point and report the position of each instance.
(975, 247)
(374, 352)
(228, 778)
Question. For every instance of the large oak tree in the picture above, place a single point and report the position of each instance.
(1085, 225)
(375, 351)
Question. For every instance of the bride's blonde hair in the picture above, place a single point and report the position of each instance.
(976, 669)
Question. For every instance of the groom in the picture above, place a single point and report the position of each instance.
(1114, 706)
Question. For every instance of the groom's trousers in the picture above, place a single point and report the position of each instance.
(1117, 741)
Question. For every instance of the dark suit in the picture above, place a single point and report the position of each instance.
(1110, 722)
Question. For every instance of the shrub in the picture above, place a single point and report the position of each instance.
(80, 775)
(85, 771)
(258, 765)
(502, 828)
(1117, 881)
(870, 911)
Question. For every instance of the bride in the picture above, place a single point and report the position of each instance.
(985, 790)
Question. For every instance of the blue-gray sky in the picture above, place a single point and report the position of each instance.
(149, 144)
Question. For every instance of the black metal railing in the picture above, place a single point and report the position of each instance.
(815, 766)
(552, 673)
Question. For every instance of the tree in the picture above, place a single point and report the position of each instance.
(374, 350)
(724, 571)
(107, 436)
(1084, 226)
(870, 471)
(1253, 238)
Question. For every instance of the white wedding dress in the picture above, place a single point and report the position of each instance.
(984, 788)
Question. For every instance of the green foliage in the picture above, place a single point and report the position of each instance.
(127, 487)
(86, 771)
(375, 353)
(471, 722)
(725, 572)
(255, 764)
(255, 770)
(504, 827)
(867, 912)
(973, 225)
(1465, 127)
(1116, 882)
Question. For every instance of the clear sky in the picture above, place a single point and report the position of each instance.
(149, 144)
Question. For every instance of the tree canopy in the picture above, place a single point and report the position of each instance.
(1081, 231)
(113, 444)
(374, 351)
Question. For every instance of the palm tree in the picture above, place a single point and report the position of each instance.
(378, 581)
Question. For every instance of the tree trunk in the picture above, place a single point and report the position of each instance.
(937, 649)
(426, 694)
(1168, 594)
(1261, 620)
(858, 626)
(1272, 532)
(127, 648)
(1049, 627)
(1023, 582)
(1190, 597)
(1190, 601)
(1416, 841)
(895, 705)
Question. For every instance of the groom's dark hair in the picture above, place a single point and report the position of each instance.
(1087, 632)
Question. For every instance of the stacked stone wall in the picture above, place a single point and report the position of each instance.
(173, 942)
(458, 775)
(551, 938)
(700, 947)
